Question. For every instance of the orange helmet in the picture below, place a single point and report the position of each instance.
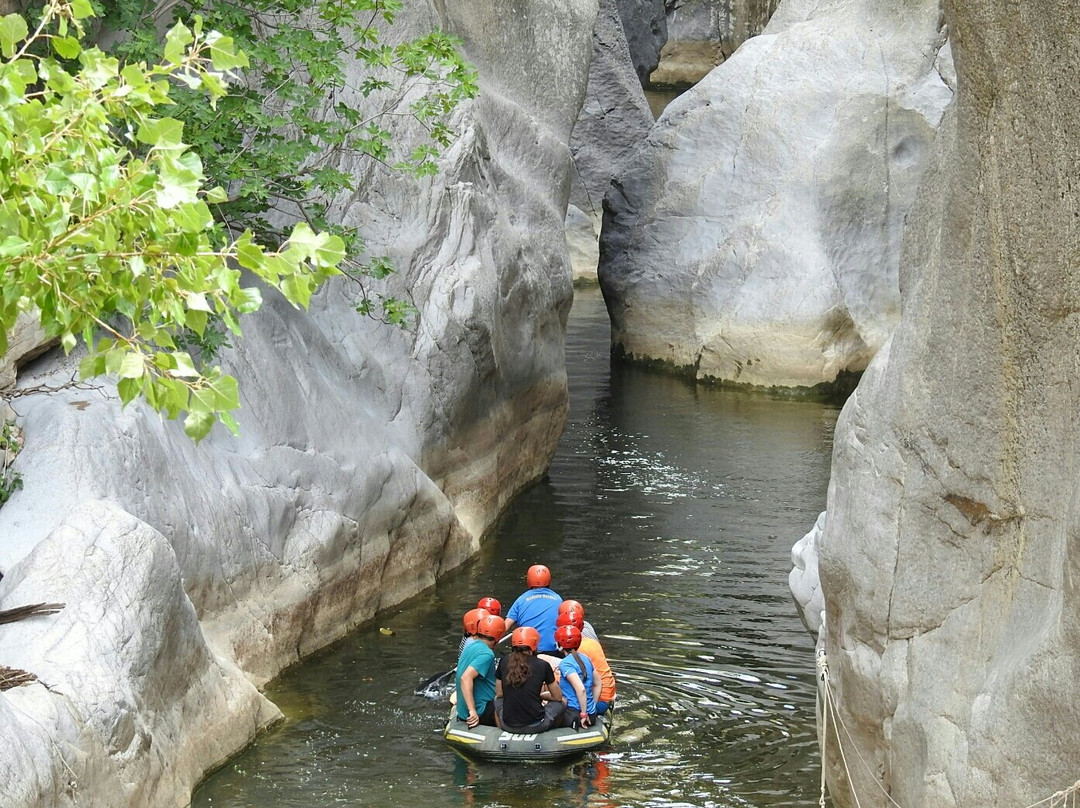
(571, 617)
(538, 575)
(492, 626)
(568, 637)
(567, 605)
(493, 606)
(472, 619)
(525, 636)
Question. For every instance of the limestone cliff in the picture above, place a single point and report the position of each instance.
(754, 237)
(950, 555)
(369, 459)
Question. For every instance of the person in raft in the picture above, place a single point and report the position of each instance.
(475, 681)
(591, 648)
(522, 685)
(577, 671)
(587, 631)
(538, 608)
(469, 623)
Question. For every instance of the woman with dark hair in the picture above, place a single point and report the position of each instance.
(522, 685)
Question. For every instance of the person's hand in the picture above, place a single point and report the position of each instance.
(584, 718)
(473, 720)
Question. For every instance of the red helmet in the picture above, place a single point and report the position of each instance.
(493, 606)
(568, 637)
(527, 636)
(571, 617)
(567, 605)
(472, 619)
(492, 626)
(538, 575)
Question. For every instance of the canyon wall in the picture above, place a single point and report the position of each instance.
(949, 557)
(754, 237)
(369, 460)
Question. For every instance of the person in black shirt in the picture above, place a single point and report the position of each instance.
(522, 685)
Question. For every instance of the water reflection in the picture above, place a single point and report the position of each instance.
(669, 511)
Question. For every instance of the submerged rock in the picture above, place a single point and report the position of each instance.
(370, 459)
(754, 237)
(949, 559)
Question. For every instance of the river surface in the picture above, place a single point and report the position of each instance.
(669, 511)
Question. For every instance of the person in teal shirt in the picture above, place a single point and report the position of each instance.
(476, 674)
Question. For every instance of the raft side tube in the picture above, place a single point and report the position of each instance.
(500, 745)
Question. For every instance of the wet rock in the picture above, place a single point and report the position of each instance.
(754, 238)
(370, 459)
(614, 121)
(949, 559)
(703, 33)
(645, 25)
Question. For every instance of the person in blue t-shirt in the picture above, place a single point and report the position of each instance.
(476, 674)
(578, 673)
(538, 608)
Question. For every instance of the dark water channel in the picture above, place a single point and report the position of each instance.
(669, 512)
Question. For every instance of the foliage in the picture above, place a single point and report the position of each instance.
(10, 443)
(279, 141)
(105, 226)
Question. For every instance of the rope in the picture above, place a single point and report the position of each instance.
(1066, 798)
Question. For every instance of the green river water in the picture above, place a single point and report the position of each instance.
(669, 511)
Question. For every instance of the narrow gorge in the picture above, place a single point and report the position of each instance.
(876, 196)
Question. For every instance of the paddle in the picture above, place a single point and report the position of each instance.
(437, 686)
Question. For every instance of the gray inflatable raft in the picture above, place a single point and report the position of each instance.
(499, 745)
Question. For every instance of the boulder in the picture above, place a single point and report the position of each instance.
(949, 559)
(754, 237)
(370, 459)
(613, 122)
(703, 33)
(129, 700)
(645, 25)
(26, 341)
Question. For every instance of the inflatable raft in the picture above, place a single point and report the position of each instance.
(499, 745)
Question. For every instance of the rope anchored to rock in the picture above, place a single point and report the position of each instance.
(830, 715)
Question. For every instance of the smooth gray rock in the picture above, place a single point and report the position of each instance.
(645, 25)
(26, 341)
(949, 561)
(130, 703)
(703, 33)
(614, 121)
(370, 459)
(754, 237)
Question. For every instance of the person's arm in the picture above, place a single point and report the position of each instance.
(510, 623)
(596, 688)
(467, 694)
(579, 688)
(498, 688)
(555, 692)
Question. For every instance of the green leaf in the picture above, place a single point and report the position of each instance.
(132, 366)
(176, 42)
(128, 388)
(81, 9)
(223, 53)
(13, 30)
(185, 368)
(66, 47)
(165, 133)
(197, 425)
